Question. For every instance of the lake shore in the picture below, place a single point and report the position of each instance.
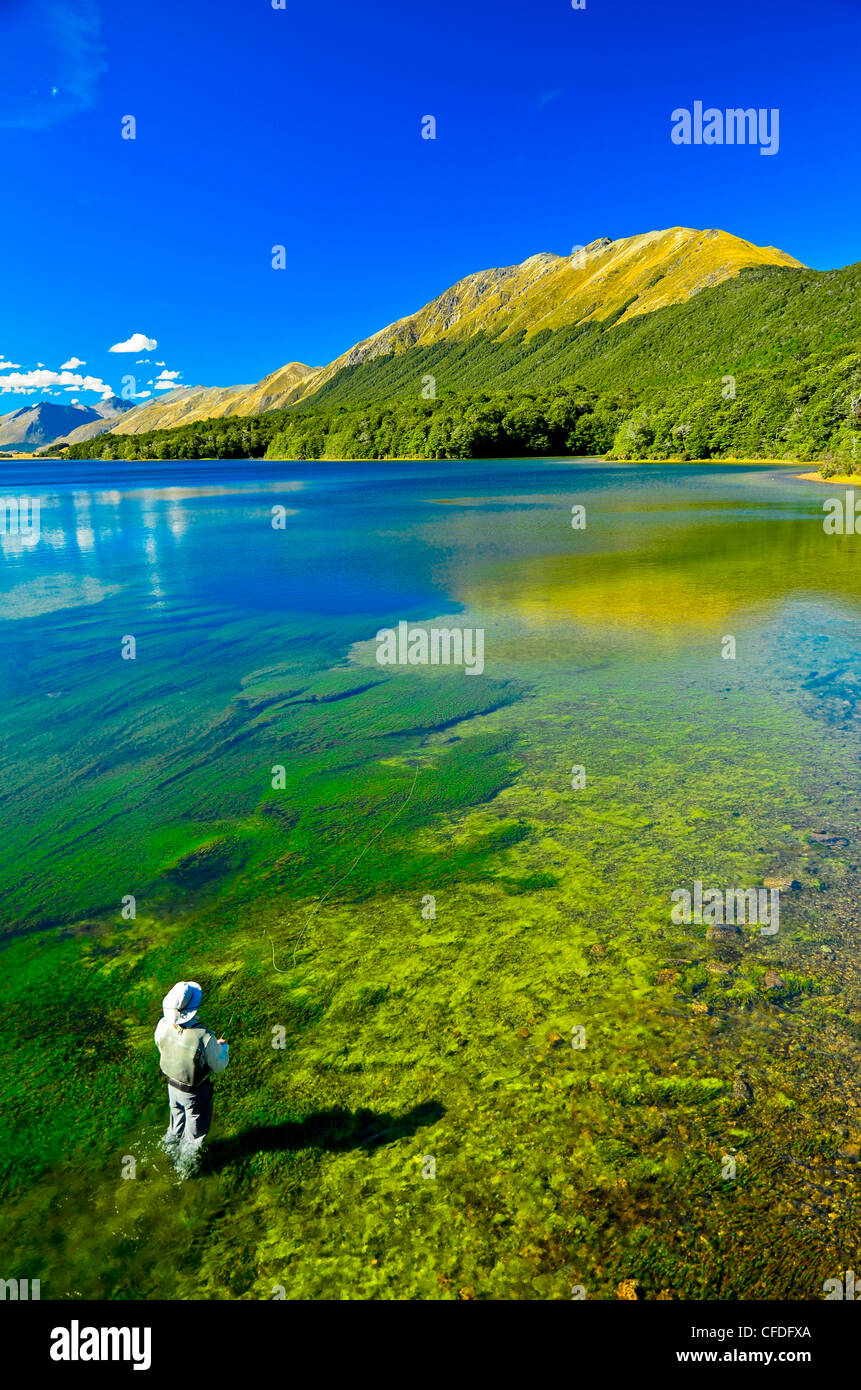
(839, 478)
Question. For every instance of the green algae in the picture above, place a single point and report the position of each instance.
(428, 1129)
(450, 1038)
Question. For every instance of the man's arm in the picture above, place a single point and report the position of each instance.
(216, 1053)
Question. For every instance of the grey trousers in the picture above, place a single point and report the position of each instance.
(190, 1116)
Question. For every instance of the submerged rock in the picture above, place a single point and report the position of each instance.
(741, 1089)
(630, 1289)
(667, 977)
(723, 933)
(773, 980)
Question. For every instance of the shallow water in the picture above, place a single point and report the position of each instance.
(604, 649)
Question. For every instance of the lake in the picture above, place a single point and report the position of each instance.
(473, 1054)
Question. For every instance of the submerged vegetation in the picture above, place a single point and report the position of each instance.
(405, 1114)
(472, 1056)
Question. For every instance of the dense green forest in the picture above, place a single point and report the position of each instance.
(764, 318)
(812, 414)
(767, 365)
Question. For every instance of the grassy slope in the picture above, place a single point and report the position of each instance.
(763, 318)
(789, 339)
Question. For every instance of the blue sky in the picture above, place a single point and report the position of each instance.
(302, 127)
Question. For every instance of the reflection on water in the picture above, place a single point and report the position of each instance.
(683, 546)
(185, 557)
(602, 650)
(695, 576)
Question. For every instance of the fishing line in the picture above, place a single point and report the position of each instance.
(339, 881)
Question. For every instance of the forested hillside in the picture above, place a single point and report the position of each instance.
(765, 365)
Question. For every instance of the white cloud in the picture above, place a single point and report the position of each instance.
(166, 380)
(43, 380)
(7, 366)
(72, 363)
(138, 342)
(161, 364)
(67, 45)
(144, 362)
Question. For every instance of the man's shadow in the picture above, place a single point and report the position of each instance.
(334, 1131)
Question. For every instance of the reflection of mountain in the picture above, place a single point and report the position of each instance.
(691, 578)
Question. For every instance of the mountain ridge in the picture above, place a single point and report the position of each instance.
(608, 279)
(45, 422)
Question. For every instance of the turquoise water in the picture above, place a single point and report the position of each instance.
(604, 648)
(185, 559)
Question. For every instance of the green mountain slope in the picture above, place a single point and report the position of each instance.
(764, 318)
(605, 281)
(764, 364)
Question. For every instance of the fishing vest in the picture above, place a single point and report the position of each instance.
(183, 1056)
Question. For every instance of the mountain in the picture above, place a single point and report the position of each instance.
(674, 344)
(36, 425)
(186, 404)
(108, 413)
(607, 280)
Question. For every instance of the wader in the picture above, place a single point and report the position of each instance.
(190, 1093)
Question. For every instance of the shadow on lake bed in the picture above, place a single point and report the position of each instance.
(335, 1131)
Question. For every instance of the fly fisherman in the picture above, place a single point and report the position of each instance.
(190, 1055)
